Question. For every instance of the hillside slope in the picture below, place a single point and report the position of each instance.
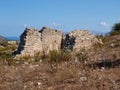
(2, 38)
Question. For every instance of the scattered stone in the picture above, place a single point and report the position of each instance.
(26, 63)
(83, 78)
(102, 68)
(39, 83)
(111, 45)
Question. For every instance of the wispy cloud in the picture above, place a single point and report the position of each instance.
(54, 24)
(104, 24)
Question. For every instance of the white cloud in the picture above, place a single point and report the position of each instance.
(104, 24)
(55, 24)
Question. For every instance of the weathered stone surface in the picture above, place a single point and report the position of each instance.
(33, 41)
(51, 39)
(79, 39)
(45, 40)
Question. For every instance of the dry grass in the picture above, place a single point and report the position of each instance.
(58, 56)
(67, 75)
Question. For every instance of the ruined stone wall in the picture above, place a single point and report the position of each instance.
(33, 41)
(80, 39)
(51, 39)
(45, 40)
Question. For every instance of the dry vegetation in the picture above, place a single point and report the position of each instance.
(94, 69)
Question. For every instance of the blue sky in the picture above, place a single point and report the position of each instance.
(66, 15)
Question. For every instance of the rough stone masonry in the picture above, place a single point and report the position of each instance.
(33, 41)
(80, 39)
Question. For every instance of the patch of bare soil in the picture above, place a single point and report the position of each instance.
(63, 76)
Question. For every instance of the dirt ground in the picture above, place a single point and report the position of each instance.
(65, 76)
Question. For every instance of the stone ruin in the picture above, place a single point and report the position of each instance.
(33, 41)
(79, 39)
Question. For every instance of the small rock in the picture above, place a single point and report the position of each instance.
(40, 60)
(112, 45)
(25, 86)
(83, 78)
(26, 63)
(39, 83)
(102, 68)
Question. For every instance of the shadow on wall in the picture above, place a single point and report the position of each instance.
(68, 42)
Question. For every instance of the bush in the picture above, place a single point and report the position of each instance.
(115, 29)
(83, 56)
(4, 44)
(104, 40)
(57, 56)
(6, 53)
(99, 36)
(6, 57)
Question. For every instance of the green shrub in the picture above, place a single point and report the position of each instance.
(6, 50)
(6, 57)
(104, 39)
(112, 33)
(39, 56)
(57, 56)
(54, 56)
(5, 54)
(82, 56)
(66, 55)
(99, 36)
(4, 44)
(115, 29)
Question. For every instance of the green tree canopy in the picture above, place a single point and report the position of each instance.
(115, 29)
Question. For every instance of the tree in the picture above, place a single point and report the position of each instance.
(115, 29)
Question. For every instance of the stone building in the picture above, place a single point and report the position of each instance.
(33, 41)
